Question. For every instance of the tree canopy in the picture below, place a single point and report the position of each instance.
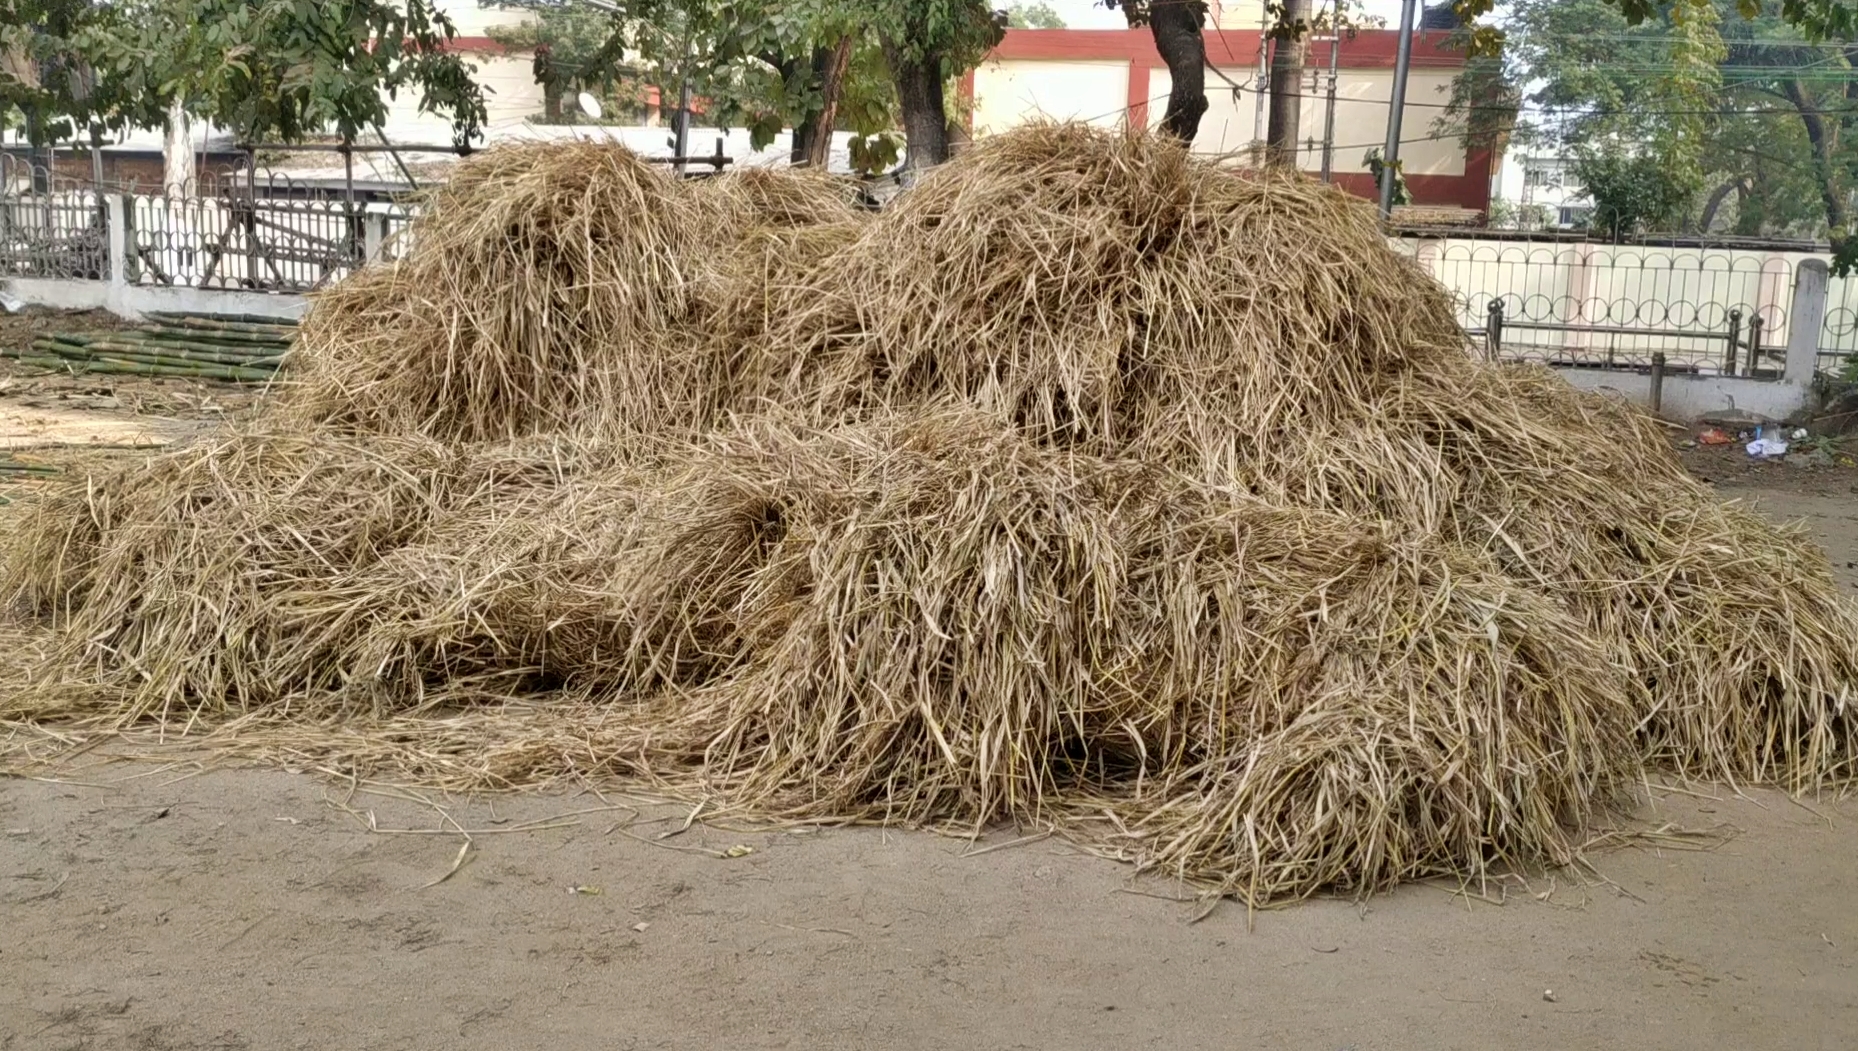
(572, 49)
(1702, 119)
(1034, 15)
(263, 68)
(47, 76)
(771, 64)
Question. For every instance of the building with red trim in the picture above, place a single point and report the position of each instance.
(1110, 77)
(1114, 76)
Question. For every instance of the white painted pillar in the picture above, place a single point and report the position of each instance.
(1804, 319)
(177, 153)
(118, 218)
(373, 237)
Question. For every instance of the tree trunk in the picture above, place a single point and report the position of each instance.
(39, 156)
(1739, 186)
(791, 70)
(1823, 141)
(1287, 60)
(96, 161)
(1175, 25)
(177, 153)
(819, 150)
(959, 137)
(551, 102)
(919, 94)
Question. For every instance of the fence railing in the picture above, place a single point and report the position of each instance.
(277, 243)
(269, 234)
(49, 227)
(1742, 353)
(1722, 307)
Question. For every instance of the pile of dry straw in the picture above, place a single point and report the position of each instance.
(1087, 485)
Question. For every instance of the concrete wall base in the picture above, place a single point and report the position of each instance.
(133, 301)
(1687, 398)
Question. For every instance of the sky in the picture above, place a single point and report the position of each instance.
(1091, 14)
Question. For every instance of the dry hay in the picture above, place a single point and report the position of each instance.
(909, 623)
(557, 287)
(1087, 486)
(1111, 294)
(778, 197)
(544, 281)
(775, 227)
(1104, 294)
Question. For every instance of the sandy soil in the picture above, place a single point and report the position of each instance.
(164, 906)
(244, 909)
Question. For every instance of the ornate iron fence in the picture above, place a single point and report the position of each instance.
(1838, 336)
(49, 226)
(243, 228)
(1704, 307)
(271, 233)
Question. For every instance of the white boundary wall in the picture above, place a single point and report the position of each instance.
(118, 296)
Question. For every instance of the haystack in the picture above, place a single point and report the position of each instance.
(1088, 486)
(556, 287)
(747, 198)
(1110, 294)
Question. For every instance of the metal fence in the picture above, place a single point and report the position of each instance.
(272, 233)
(1838, 337)
(244, 228)
(269, 232)
(50, 227)
(1707, 307)
(1713, 307)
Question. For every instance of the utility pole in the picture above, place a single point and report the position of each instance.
(1335, 64)
(1403, 59)
(1261, 88)
(1287, 59)
(680, 145)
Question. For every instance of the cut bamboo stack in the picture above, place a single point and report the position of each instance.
(237, 349)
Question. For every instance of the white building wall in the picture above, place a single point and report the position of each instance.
(1008, 92)
(1011, 91)
(1543, 180)
(473, 19)
(511, 96)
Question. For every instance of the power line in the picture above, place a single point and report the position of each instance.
(1571, 112)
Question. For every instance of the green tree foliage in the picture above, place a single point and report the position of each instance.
(1507, 216)
(765, 64)
(745, 64)
(1631, 192)
(1750, 105)
(292, 69)
(1035, 15)
(573, 50)
(927, 43)
(1815, 19)
(47, 77)
(1792, 132)
(1592, 79)
(263, 68)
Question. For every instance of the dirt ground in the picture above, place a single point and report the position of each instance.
(165, 905)
(40, 407)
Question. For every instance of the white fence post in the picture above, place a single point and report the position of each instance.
(118, 215)
(373, 237)
(1426, 254)
(1804, 319)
